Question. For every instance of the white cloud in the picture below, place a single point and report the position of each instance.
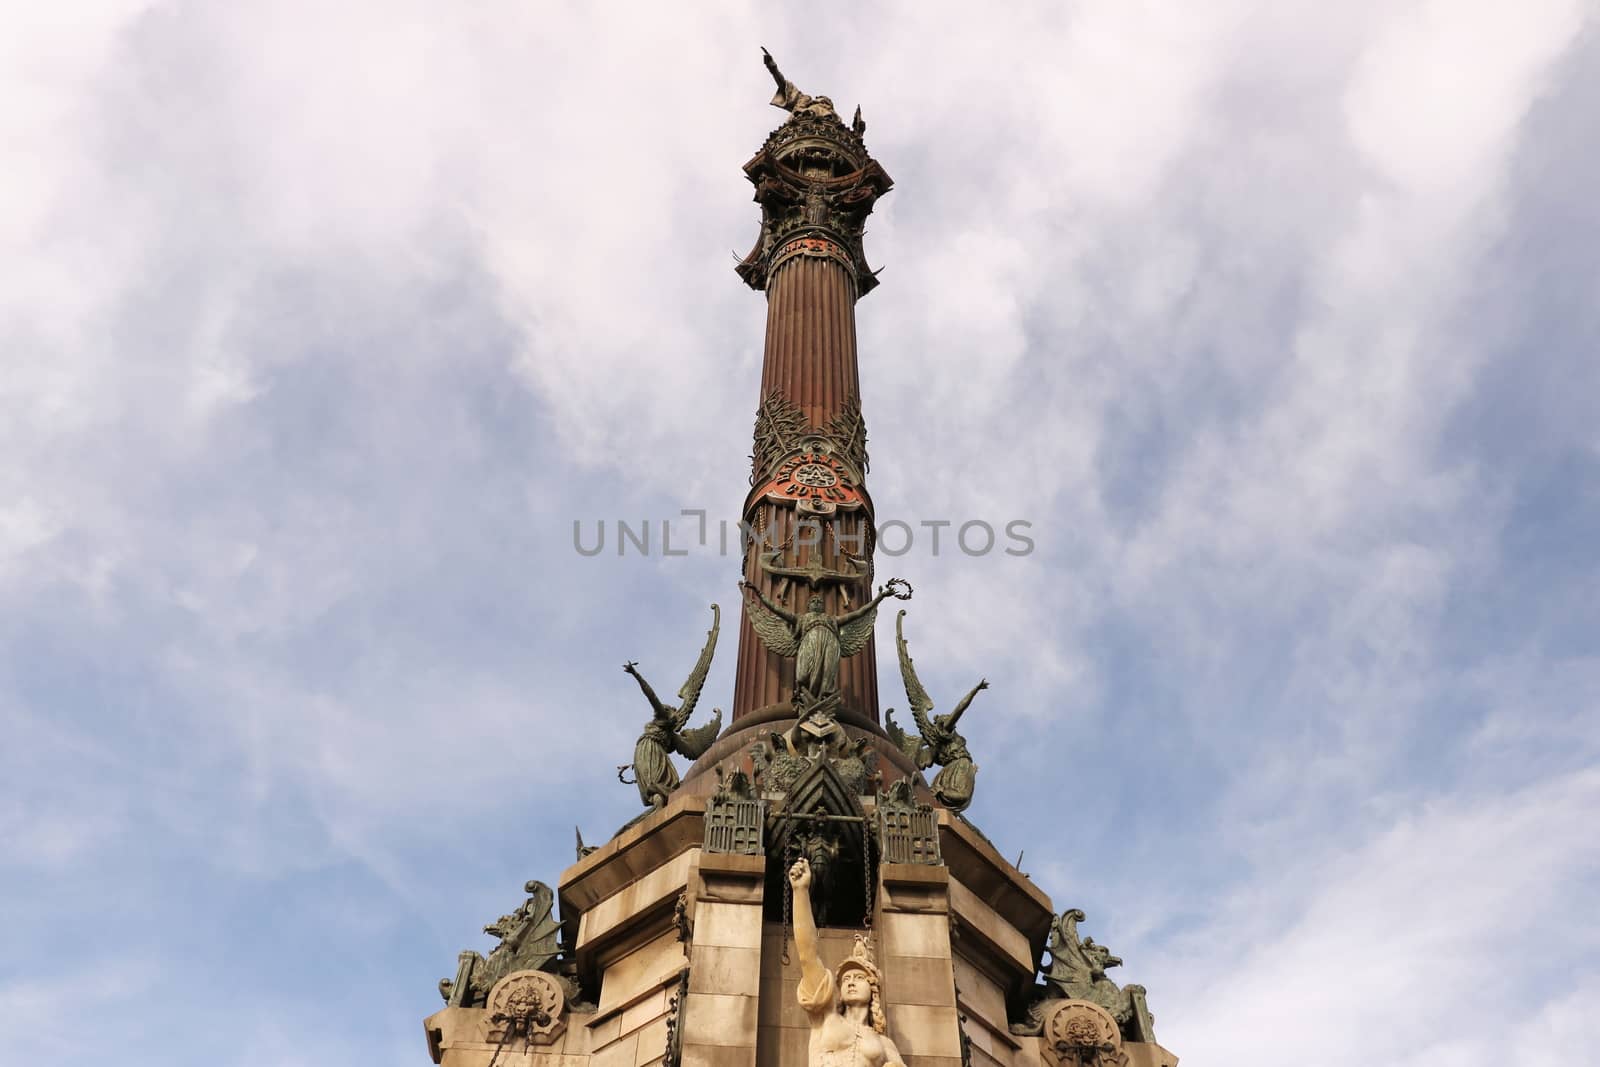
(1415, 936)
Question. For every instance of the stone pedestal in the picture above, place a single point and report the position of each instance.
(719, 1021)
(686, 961)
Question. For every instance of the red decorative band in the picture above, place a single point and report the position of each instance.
(819, 247)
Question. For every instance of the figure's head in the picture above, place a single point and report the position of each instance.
(855, 986)
(1100, 957)
(814, 604)
(860, 983)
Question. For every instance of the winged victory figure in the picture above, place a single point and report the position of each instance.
(939, 742)
(665, 733)
(817, 641)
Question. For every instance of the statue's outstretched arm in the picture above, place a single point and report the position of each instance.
(805, 926)
(892, 588)
(661, 710)
(871, 605)
(955, 716)
(772, 66)
(773, 606)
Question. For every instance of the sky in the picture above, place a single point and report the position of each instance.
(323, 324)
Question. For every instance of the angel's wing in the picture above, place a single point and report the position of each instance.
(777, 635)
(693, 743)
(910, 744)
(690, 692)
(854, 635)
(921, 703)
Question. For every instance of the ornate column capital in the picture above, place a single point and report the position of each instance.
(816, 185)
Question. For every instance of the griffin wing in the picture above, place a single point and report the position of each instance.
(693, 743)
(690, 693)
(921, 703)
(910, 744)
(777, 635)
(1070, 967)
(854, 635)
(538, 942)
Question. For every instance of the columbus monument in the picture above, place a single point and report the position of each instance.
(804, 895)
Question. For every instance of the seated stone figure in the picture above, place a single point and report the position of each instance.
(845, 1008)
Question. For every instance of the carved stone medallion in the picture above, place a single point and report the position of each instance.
(1079, 1033)
(527, 1004)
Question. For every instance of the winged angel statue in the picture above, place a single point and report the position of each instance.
(938, 741)
(817, 641)
(665, 733)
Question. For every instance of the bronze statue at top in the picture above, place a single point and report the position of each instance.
(665, 733)
(817, 641)
(939, 742)
(792, 99)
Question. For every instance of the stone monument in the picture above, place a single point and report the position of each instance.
(801, 896)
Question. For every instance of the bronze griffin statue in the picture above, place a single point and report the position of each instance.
(1077, 971)
(530, 940)
(938, 743)
(665, 733)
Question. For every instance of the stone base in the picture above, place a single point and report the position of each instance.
(678, 950)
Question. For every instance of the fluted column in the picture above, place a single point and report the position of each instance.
(816, 184)
(810, 359)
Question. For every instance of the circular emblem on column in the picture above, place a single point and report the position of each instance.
(1080, 1033)
(527, 1004)
(815, 482)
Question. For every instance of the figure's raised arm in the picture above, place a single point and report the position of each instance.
(812, 974)
(898, 588)
(772, 605)
(772, 67)
(955, 716)
(661, 709)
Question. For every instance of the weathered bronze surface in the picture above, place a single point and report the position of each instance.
(908, 832)
(817, 641)
(782, 430)
(529, 941)
(937, 741)
(793, 100)
(736, 817)
(665, 733)
(1078, 972)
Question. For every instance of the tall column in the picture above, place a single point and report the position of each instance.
(808, 504)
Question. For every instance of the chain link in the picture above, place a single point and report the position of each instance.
(788, 901)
